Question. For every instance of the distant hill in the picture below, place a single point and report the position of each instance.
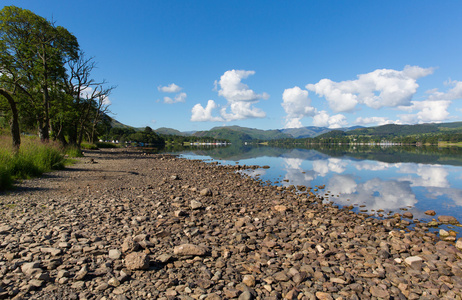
(117, 124)
(400, 130)
(170, 131)
(312, 131)
(243, 134)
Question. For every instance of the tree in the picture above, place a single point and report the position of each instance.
(33, 54)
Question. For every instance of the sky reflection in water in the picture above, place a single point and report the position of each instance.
(372, 184)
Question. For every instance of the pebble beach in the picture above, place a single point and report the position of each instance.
(123, 224)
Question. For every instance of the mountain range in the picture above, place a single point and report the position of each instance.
(237, 133)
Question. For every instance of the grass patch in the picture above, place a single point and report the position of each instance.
(73, 151)
(88, 146)
(33, 159)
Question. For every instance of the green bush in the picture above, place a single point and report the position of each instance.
(88, 146)
(73, 151)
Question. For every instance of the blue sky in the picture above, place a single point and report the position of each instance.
(193, 65)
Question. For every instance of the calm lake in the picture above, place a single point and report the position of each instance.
(370, 178)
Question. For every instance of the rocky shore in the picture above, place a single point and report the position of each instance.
(122, 224)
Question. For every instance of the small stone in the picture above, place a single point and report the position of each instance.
(195, 204)
(102, 287)
(408, 215)
(249, 280)
(459, 244)
(62, 274)
(175, 177)
(52, 251)
(180, 213)
(5, 229)
(280, 208)
(31, 268)
(320, 248)
(448, 220)
(323, 296)
(430, 212)
(163, 258)
(189, 249)
(379, 292)
(79, 285)
(338, 280)
(414, 262)
(137, 261)
(246, 295)
(206, 192)
(113, 282)
(443, 233)
(114, 254)
(81, 274)
(129, 245)
(36, 283)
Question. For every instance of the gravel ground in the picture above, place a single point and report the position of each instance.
(122, 224)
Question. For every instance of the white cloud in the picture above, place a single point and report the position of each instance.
(373, 120)
(201, 114)
(380, 88)
(241, 111)
(322, 119)
(239, 96)
(453, 94)
(181, 97)
(171, 88)
(435, 107)
(427, 111)
(297, 105)
(234, 90)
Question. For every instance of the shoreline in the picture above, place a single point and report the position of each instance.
(113, 229)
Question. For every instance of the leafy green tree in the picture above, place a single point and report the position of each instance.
(33, 52)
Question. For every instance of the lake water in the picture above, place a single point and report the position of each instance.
(372, 179)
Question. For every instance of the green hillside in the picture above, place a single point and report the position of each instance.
(170, 131)
(242, 134)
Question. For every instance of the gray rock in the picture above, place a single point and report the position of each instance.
(137, 261)
(189, 249)
(206, 192)
(114, 254)
(195, 204)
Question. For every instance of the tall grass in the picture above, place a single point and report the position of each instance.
(33, 159)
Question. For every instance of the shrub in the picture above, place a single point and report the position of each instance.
(73, 151)
(88, 146)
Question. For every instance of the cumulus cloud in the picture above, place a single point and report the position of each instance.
(240, 98)
(297, 105)
(373, 120)
(232, 88)
(201, 114)
(181, 97)
(427, 111)
(380, 88)
(435, 107)
(241, 111)
(322, 119)
(453, 94)
(171, 88)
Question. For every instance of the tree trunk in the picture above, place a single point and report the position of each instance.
(14, 123)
